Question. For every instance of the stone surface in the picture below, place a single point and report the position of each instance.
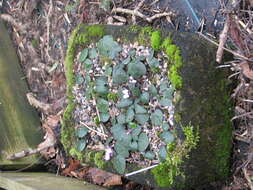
(19, 122)
(202, 102)
(42, 181)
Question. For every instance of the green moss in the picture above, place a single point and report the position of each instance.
(75, 153)
(67, 130)
(166, 172)
(67, 124)
(99, 160)
(174, 56)
(155, 40)
(112, 96)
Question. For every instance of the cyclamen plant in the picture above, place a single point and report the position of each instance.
(124, 102)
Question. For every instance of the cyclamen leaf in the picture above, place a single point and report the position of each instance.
(119, 164)
(102, 105)
(88, 64)
(119, 76)
(92, 53)
(144, 97)
(81, 132)
(167, 137)
(133, 146)
(152, 90)
(108, 47)
(129, 115)
(81, 144)
(135, 133)
(79, 79)
(162, 153)
(143, 142)
(117, 131)
(104, 117)
(101, 85)
(136, 69)
(157, 117)
(121, 119)
(83, 55)
(121, 149)
(134, 90)
(142, 118)
(126, 61)
(139, 109)
(165, 101)
(124, 103)
(165, 126)
(149, 155)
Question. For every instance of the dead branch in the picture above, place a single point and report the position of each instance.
(137, 13)
(48, 27)
(46, 108)
(223, 39)
(26, 153)
(247, 178)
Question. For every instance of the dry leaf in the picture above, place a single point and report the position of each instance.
(246, 70)
(73, 165)
(101, 177)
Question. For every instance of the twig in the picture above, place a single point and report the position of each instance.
(101, 127)
(242, 115)
(99, 133)
(228, 50)
(141, 170)
(37, 104)
(223, 39)
(247, 178)
(137, 13)
(48, 26)
(26, 153)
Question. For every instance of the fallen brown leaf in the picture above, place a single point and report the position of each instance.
(246, 70)
(73, 165)
(101, 177)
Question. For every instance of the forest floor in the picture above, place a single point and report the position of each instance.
(40, 31)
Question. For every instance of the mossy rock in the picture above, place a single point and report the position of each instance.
(19, 122)
(200, 154)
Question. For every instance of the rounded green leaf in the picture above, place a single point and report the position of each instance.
(157, 117)
(142, 118)
(149, 155)
(135, 133)
(152, 90)
(136, 69)
(167, 137)
(129, 115)
(121, 118)
(81, 131)
(119, 76)
(119, 164)
(143, 142)
(104, 117)
(124, 103)
(133, 146)
(81, 144)
(102, 105)
(92, 53)
(121, 149)
(139, 109)
(144, 97)
(83, 55)
(162, 153)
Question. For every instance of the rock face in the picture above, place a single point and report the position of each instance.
(19, 122)
(202, 128)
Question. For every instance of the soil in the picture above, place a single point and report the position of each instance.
(40, 30)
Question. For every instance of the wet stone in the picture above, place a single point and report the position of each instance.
(148, 109)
